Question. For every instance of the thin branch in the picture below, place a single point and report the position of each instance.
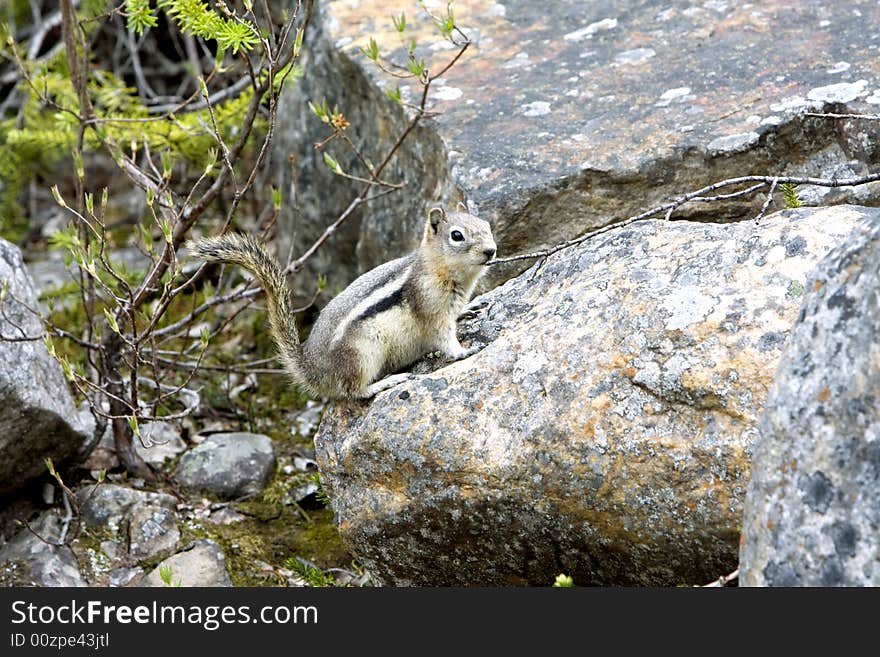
(831, 115)
(190, 105)
(724, 580)
(768, 200)
(693, 196)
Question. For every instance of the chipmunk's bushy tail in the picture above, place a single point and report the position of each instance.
(245, 251)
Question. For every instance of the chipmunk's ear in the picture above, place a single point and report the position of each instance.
(435, 217)
(461, 207)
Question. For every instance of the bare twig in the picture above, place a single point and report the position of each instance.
(667, 208)
(832, 115)
(724, 580)
(768, 200)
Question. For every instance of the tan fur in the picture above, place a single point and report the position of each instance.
(383, 321)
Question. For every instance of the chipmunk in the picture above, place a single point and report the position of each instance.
(386, 319)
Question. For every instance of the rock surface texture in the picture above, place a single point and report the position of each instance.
(203, 565)
(27, 560)
(228, 465)
(812, 512)
(565, 115)
(605, 429)
(36, 409)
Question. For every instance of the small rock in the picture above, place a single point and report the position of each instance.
(153, 531)
(225, 516)
(307, 420)
(304, 495)
(203, 565)
(164, 442)
(110, 548)
(124, 576)
(47, 564)
(228, 465)
(304, 465)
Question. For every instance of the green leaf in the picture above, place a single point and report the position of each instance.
(65, 367)
(166, 230)
(165, 156)
(133, 424)
(276, 198)
(321, 111)
(297, 44)
(57, 196)
(417, 67)
(394, 94)
(371, 51)
(563, 581)
(78, 165)
(399, 22)
(332, 164)
(111, 320)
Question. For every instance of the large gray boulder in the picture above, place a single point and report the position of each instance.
(566, 115)
(605, 429)
(812, 512)
(38, 419)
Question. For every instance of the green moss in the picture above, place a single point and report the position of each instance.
(272, 537)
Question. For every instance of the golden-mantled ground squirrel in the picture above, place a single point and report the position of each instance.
(385, 320)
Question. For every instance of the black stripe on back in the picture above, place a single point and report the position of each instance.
(393, 299)
(384, 280)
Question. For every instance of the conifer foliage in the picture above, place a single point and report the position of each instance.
(172, 101)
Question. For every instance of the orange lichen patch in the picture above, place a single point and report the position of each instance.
(823, 395)
(601, 403)
(588, 429)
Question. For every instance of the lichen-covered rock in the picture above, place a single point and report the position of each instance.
(566, 115)
(604, 430)
(33, 561)
(152, 531)
(202, 565)
(812, 511)
(228, 465)
(37, 414)
(110, 505)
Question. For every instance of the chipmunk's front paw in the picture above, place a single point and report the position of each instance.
(461, 352)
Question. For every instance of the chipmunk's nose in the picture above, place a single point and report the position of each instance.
(489, 253)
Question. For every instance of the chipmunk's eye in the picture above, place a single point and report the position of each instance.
(456, 236)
